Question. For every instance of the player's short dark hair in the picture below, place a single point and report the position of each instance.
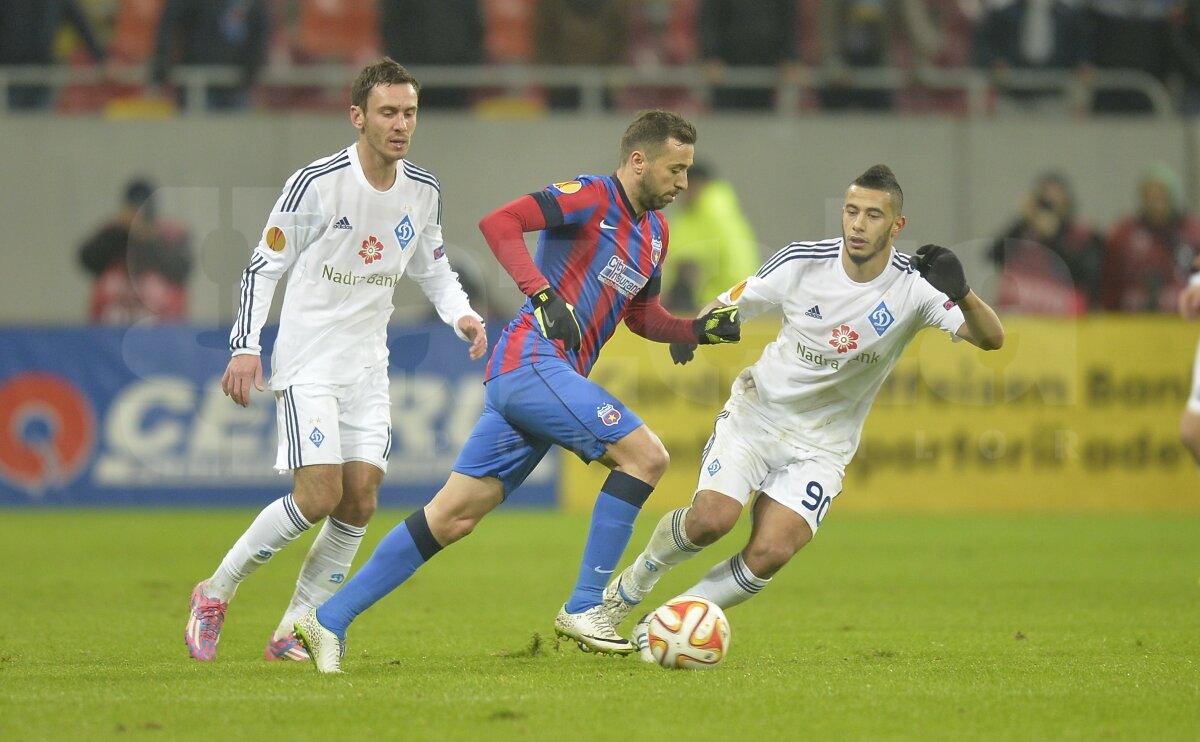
(881, 178)
(386, 71)
(651, 129)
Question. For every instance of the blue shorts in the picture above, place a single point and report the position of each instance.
(533, 407)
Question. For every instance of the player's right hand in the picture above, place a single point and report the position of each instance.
(721, 325)
(681, 353)
(241, 372)
(557, 318)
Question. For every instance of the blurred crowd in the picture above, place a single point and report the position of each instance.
(840, 54)
(1047, 261)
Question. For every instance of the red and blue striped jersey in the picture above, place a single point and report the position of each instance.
(598, 258)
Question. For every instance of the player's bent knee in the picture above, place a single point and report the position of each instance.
(706, 526)
(653, 458)
(765, 559)
(657, 461)
(357, 508)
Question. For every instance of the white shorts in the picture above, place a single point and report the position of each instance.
(1193, 403)
(333, 424)
(747, 453)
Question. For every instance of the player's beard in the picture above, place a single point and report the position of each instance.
(862, 258)
(654, 201)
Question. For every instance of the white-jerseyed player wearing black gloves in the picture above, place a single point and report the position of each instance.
(794, 418)
(344, 231)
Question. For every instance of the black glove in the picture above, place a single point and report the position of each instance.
(721, 325)
(941, 268)
(556, 317)
(681, 353)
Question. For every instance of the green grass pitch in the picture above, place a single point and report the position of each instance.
(987, 628)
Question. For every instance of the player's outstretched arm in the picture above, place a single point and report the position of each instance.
(715, 311)
(981, 327)
(943, 270)
(242, 371)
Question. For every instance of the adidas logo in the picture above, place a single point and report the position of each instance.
(342, 223)
(815, 312)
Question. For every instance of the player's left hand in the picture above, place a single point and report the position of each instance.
(473, 330)
(721, 325)
(681, 353)
(942, 269)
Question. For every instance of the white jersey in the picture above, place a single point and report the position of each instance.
(839, 339)
(344, 246)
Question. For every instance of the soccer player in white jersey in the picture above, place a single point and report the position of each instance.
(793, 420)
(1189, 425)
(345, 229)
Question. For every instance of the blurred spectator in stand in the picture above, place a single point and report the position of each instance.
(140, 263)
(1150, 255)
(1184, 35)
(580, 32)
(232, 33)
(1131, 35)
(862, 34)
(663, 36)
(712, 243)
(1049, 261)
(1041, 35)
(736, 34)
(446, 32)
(27, 32)
(950, 25)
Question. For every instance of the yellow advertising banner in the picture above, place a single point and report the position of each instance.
(1070, 416)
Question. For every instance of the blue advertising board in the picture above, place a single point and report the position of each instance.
(136, 416)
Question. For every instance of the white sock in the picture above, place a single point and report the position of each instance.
(729, 583)
(669, 546)
(325, 570)
(278, 525)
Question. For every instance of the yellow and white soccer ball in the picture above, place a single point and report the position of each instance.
(689, 633)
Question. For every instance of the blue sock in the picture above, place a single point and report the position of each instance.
(619, 502)
(399, 554)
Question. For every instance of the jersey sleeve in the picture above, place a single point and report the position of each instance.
(767, 288)
(570, 202)
(430, 269)
(936, 309)
(296, 221)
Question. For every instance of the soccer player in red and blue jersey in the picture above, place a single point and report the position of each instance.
(599, 261)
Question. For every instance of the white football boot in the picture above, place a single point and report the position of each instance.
(591, 630)
(323, 647)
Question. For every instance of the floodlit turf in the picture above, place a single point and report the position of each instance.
(883, 628)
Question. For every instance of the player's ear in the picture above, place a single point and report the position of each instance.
(637, 159)
(356, 117)
(899, 225)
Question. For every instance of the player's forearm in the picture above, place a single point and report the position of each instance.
(982, 326)
(443, 289)
(504, 230)
(651, 320)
